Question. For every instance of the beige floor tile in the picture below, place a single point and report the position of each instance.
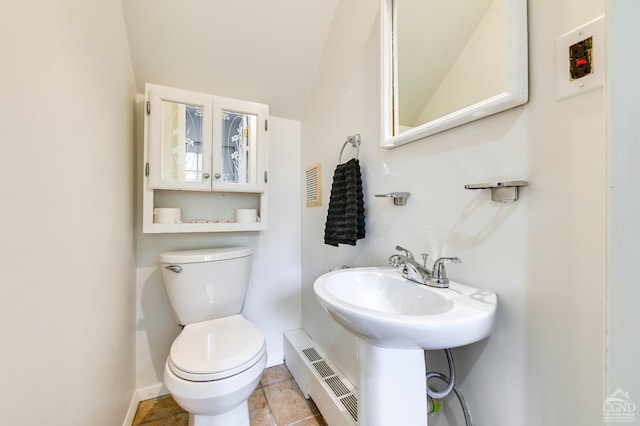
(156, 408)
(143, 411)
(175, 420)
(275, 374)
(310, 421)
(287, 403)
(259, 411)
(312, 405)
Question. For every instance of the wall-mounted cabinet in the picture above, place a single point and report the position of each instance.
(206, 155)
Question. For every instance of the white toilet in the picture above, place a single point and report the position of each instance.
(216, 361)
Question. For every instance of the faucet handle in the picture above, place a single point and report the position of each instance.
(406, 252)
(439, 273)
(394, 260)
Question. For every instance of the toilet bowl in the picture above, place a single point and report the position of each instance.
(214, 365)
(213, 368)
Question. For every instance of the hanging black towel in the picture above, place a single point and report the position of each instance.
(345, 218)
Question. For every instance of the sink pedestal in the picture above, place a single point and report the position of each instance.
(392, 388)
(402, 318)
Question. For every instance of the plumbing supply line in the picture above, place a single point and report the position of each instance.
(450, 387)
(463, 403)
(450, 383)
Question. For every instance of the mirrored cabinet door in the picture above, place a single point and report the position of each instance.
(239, 145)
(180, 152)
(238, 159)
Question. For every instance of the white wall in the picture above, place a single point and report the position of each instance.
(273, 301)
(624, 202)
(544, 256)
(67, 298)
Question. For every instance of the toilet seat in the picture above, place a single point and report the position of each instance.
(216, 349)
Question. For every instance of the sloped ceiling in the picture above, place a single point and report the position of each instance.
(255, 50)
(431, 36)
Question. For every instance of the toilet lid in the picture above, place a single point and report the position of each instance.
(205, 255)
(215, 349)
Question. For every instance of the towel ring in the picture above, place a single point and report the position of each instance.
(355, 142)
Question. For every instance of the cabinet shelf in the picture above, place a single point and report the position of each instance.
(160, 228)
(203, 206)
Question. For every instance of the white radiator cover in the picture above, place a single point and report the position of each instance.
(320, 380)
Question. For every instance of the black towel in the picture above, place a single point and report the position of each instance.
(345, 218)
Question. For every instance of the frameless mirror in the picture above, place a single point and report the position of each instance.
(446, 63)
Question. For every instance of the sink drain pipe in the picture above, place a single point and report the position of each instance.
(434, 396)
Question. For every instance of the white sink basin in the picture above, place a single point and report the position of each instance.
(388, 311)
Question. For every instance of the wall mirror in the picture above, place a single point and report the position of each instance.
(446, 63)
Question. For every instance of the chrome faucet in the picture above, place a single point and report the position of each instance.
(420, 274)
(411, 269)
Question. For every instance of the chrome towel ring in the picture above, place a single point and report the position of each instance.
(355, 142)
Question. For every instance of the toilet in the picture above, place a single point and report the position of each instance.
(217, 360)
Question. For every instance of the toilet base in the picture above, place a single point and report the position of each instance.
(239, 416)
(221, 402)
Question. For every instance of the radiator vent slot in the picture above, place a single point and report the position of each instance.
(312, 355)
(320, 379)
(351, 404)
(323, 369)
(336, 385)
(331, 379)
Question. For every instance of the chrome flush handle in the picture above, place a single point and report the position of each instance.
(175, 268)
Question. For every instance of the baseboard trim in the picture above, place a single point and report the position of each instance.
(153, 391)
(140, 395)
(131, 412)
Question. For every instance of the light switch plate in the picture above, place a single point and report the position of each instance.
(590, 35)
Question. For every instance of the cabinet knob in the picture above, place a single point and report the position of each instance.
(217, 175)
(206, 175)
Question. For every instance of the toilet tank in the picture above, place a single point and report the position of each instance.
(206, 284)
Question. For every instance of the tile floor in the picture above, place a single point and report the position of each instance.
(276, 402)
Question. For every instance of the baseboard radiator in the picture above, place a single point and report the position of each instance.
(320, 380)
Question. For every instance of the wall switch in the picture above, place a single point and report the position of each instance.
(580, 60)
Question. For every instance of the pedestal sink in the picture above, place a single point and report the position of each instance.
(396, 320)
